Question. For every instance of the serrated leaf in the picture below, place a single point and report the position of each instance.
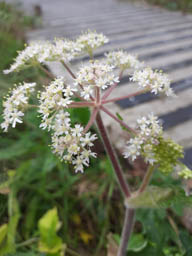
(152, 197)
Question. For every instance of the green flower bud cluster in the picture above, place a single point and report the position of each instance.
(185, 173)
(166, 154)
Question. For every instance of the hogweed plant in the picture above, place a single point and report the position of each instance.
(91, 86)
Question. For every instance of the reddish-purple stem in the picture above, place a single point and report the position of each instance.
(124, 97)
(118, 120)
(110, 89)
(126, 232)
(81, 104)
(73, 75)
(91, 120)
(119, 173)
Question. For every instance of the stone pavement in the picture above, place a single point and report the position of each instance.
(161, 38)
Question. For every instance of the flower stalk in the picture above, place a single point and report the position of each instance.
(126, 232)
(147, 178)
(110, 151)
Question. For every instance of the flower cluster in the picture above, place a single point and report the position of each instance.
(150, 144)
(91, 40)
(149, 131)
(96, 74)
(69, 143)
(185, 173)
(155, 81)
(65, 50)
(52, 100)
(123, 60)
(60, 50)
(35, 52)
(15, 104)
(167, 154)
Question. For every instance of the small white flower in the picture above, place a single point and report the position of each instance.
(88, 139)
(77, 130)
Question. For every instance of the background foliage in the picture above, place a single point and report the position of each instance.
(184, 5)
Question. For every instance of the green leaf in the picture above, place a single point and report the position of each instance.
(3, 232)
(121, 119)
(48, 226)
(43, 247)
(81, 115)
(152, 197)
(137, 243)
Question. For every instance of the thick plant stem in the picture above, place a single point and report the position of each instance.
(126, 232)
(129, 214)
(120, 177)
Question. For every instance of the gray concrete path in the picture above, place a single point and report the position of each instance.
(161, 38)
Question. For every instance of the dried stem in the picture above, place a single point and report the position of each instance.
(119, 174)
(126, 232)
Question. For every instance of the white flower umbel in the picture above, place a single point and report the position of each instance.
(69, 142)
(155, 81)
(91, 40)
(43, 51)
(52, 100)
(123, 60)
(15, 104)
(35, 52)
(65, 50)
(96, 74)
(148, 133)
(72, 145)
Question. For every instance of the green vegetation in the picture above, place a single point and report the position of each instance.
(183, 5)
(46, 209)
